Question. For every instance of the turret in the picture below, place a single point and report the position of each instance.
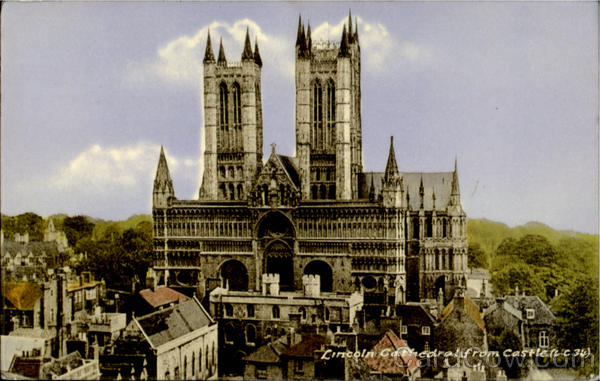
(163, 185)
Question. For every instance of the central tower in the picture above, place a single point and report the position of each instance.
(328, 120)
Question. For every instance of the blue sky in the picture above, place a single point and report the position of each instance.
(90, 90)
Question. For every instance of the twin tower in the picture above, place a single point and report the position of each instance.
(327, 121)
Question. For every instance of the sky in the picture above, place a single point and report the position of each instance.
(91, 90)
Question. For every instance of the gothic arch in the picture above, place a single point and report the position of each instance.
(234, 273)
(323, 269)
(275, 223)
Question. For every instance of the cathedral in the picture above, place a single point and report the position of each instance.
(396, 236)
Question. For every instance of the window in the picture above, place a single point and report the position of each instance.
(237, 116)
(193, 364)
(229, 333)
(302, 311)
(228, 310)
(425, 331)
(275, 312)
(223, 117)
(317, 117)
(426, 348)
(530, 313)
(298, 367)
(404, 330)
(327, 314)
(250, 310)
(250, 335)
(261, 371)
(330, 126)
(543, 338)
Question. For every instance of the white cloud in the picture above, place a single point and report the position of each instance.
(99, 170)
(180, 61)
(380, 51)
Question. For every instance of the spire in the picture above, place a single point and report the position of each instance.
(257, 58)
(162, 180)
(344, 44)
(391, 168)
(422, 192)
(222, 59)
(372, 189)
(208, 53)
(356, 30)
(299, 35)
(455, 187)
(247, 54)
(308, 39)
(433, 198)
(350, 34)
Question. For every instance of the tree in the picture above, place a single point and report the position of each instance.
(76, 228)
(477, 257)
(507, 340)
(577, 318)
(536, 250)
(517, 274)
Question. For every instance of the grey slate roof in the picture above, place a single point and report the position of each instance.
(185, 317)
(440, 182)
(543, 314)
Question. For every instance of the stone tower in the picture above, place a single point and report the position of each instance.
(232, 130)
(328, 120)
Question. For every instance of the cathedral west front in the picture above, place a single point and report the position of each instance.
(395, 235)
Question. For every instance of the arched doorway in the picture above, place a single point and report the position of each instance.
(322, 269)
(234, 274)
(278, 260)
(440, 282)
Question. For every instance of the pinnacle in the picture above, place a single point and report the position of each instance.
(247, 53)
(222, 58)
(208, 53)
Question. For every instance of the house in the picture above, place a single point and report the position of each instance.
(21, 305)
(178, 342)
(418, 325)
(461, 325)
(266, 362)
(69, 367)
(527, 316)
(300, 361)
(249, 319)
(155, 298)
(393, 359)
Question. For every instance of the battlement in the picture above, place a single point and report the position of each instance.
(311, 283)
(270, 284)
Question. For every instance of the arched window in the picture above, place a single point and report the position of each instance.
(275, 312)
(250, 310)
(444, 228)
(240, 191)
(332, 192)
(323, 191)
(222, 171)
(317, 116)
(236, 98)
(231, 192)
(223, 191)
(193, 364)
(185, 367)
(228, 310)
(326, 314)
(330, 115)
(302, 311)
(223, 117)
(314, 192)
(250, 334)
(415, 227)
(429, 227)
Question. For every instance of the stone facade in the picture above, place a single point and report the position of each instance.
(397, 236)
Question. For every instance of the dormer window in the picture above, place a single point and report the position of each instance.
(425, 331)
(530, 313)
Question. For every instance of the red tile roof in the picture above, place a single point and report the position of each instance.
(386, 362)
(163, 295)
(306, 348)
(471, 309)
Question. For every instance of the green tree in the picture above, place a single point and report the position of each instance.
(477, 257)
(577, 318)
(505, 280)
(77, 227)
(507, 340)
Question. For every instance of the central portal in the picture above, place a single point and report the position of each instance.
(276, 233)
(279, 260)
